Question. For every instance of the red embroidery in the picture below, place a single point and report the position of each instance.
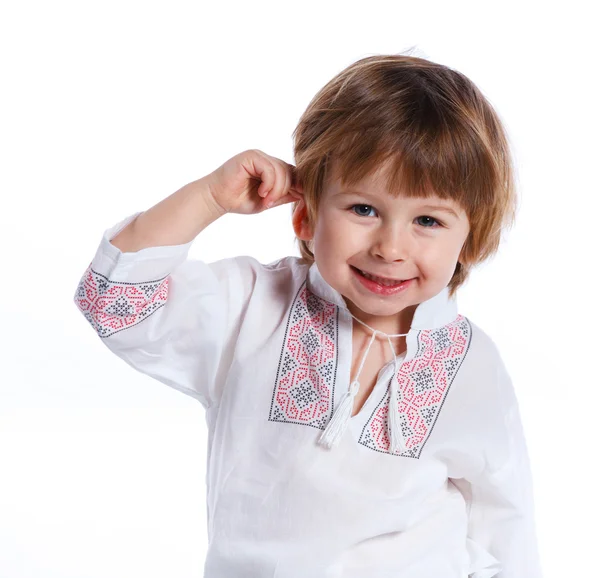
(423, 383)
(111, 307)
(307, 365)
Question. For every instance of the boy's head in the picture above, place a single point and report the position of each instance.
(404, 134)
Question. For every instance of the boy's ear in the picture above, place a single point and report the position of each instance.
(300, 222)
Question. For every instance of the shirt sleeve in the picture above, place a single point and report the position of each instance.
(502, 534)
(165, 315)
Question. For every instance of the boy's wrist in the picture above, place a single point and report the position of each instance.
(203, 189)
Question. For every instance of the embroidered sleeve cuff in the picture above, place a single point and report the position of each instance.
(143, 265)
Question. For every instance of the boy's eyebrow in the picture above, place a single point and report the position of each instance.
(443, 208)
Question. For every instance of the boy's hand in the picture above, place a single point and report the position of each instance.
(253, 181)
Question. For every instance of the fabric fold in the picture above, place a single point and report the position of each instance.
(481, 563)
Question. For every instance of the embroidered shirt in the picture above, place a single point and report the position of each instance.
(267, 350)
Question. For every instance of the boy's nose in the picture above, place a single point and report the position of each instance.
(392, 244)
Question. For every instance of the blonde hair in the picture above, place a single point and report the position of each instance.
(432, 125)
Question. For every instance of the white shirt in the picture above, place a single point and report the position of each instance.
(266, 349)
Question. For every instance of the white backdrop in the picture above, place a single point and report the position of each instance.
(107, 108)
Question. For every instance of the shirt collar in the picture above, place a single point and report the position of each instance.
(436, 311)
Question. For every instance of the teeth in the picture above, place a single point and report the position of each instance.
(381, 281)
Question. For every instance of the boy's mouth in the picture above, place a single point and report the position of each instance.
(385, 281)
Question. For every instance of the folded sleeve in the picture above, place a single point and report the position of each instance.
(502, 533)
(167, 316)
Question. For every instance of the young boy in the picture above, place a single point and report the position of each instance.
(358, 424)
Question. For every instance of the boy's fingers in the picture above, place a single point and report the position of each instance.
(289, 198)
(291, 195)
(266, 173)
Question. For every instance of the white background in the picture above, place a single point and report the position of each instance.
(108, 107)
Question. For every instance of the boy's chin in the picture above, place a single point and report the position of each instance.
(366, 306)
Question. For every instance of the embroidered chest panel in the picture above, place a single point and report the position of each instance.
(306, 376)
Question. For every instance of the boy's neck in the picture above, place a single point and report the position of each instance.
(395, 324)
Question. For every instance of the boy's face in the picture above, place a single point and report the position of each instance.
(364, 227)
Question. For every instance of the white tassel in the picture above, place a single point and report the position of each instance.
(339, 422)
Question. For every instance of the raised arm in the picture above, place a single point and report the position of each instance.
(168, 316)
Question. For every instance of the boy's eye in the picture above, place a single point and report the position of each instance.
(361, 214)
(437, 223)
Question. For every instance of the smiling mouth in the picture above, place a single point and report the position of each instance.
(386, 281)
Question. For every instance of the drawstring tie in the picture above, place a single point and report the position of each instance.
(339, 422)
